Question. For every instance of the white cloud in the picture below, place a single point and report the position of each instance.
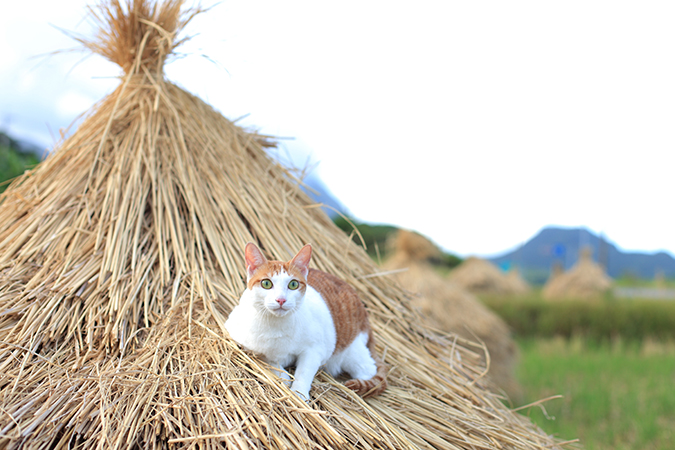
(73, 103)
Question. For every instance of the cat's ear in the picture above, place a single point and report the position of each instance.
(301, 260)
(254, 258)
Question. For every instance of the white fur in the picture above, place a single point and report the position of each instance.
(300, 333)
(356, 360)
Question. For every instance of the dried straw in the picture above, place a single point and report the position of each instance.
(480, 276)
(120, 257)
(518, 284)
(449, 307)
(585, 280)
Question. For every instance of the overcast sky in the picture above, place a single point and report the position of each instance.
(475, 123)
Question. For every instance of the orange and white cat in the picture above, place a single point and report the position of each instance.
(296, 316)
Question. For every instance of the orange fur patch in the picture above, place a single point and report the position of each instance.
(271, 268)
(374, 386)
(349, 315)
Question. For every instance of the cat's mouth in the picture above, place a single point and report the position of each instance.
(279, 311)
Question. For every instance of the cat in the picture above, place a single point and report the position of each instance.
(292, 315)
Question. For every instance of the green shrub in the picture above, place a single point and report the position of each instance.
(13, 163)
(376, 236)
(601, 319)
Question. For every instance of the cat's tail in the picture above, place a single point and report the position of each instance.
(374, 386)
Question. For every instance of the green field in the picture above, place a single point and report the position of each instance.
(616, 395)
(601, 319)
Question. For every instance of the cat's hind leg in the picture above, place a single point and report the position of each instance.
(356, 360)
(367, 375)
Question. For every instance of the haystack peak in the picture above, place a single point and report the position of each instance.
(138, 35)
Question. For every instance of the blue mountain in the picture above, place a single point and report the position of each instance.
(554, 245)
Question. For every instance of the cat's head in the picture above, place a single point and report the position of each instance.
(278, 287)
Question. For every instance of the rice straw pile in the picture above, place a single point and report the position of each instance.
(480, 276)
(121, 255)
(450, 308)
(518, 283)
(585, 280)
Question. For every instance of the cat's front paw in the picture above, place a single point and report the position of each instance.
(285, 378)
(301, 395)
(281, 373)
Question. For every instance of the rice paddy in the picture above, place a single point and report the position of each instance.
(616, 395)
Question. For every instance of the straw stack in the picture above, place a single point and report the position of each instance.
(557, 269)
(586, 279)
(518, 283)
(482, 277)
(447, 306)
(121, 256)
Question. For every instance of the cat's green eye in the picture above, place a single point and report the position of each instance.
(266, 284)
(293, 285)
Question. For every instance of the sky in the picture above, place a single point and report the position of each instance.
(474, 123)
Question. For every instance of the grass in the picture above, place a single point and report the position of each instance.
(616, 396)
(629, 281)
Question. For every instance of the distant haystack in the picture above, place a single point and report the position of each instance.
(449, 307)
(557, 269)
(410, 246)
(482, 277)
(518, 283)
(585, 280)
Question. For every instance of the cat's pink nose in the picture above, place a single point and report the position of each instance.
(281, 301)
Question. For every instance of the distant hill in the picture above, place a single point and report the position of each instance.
(15, 157)
(321, 194)
(561, 245)
(20, 146)
(377, 237)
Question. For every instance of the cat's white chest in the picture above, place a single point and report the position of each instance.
(281, 340)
